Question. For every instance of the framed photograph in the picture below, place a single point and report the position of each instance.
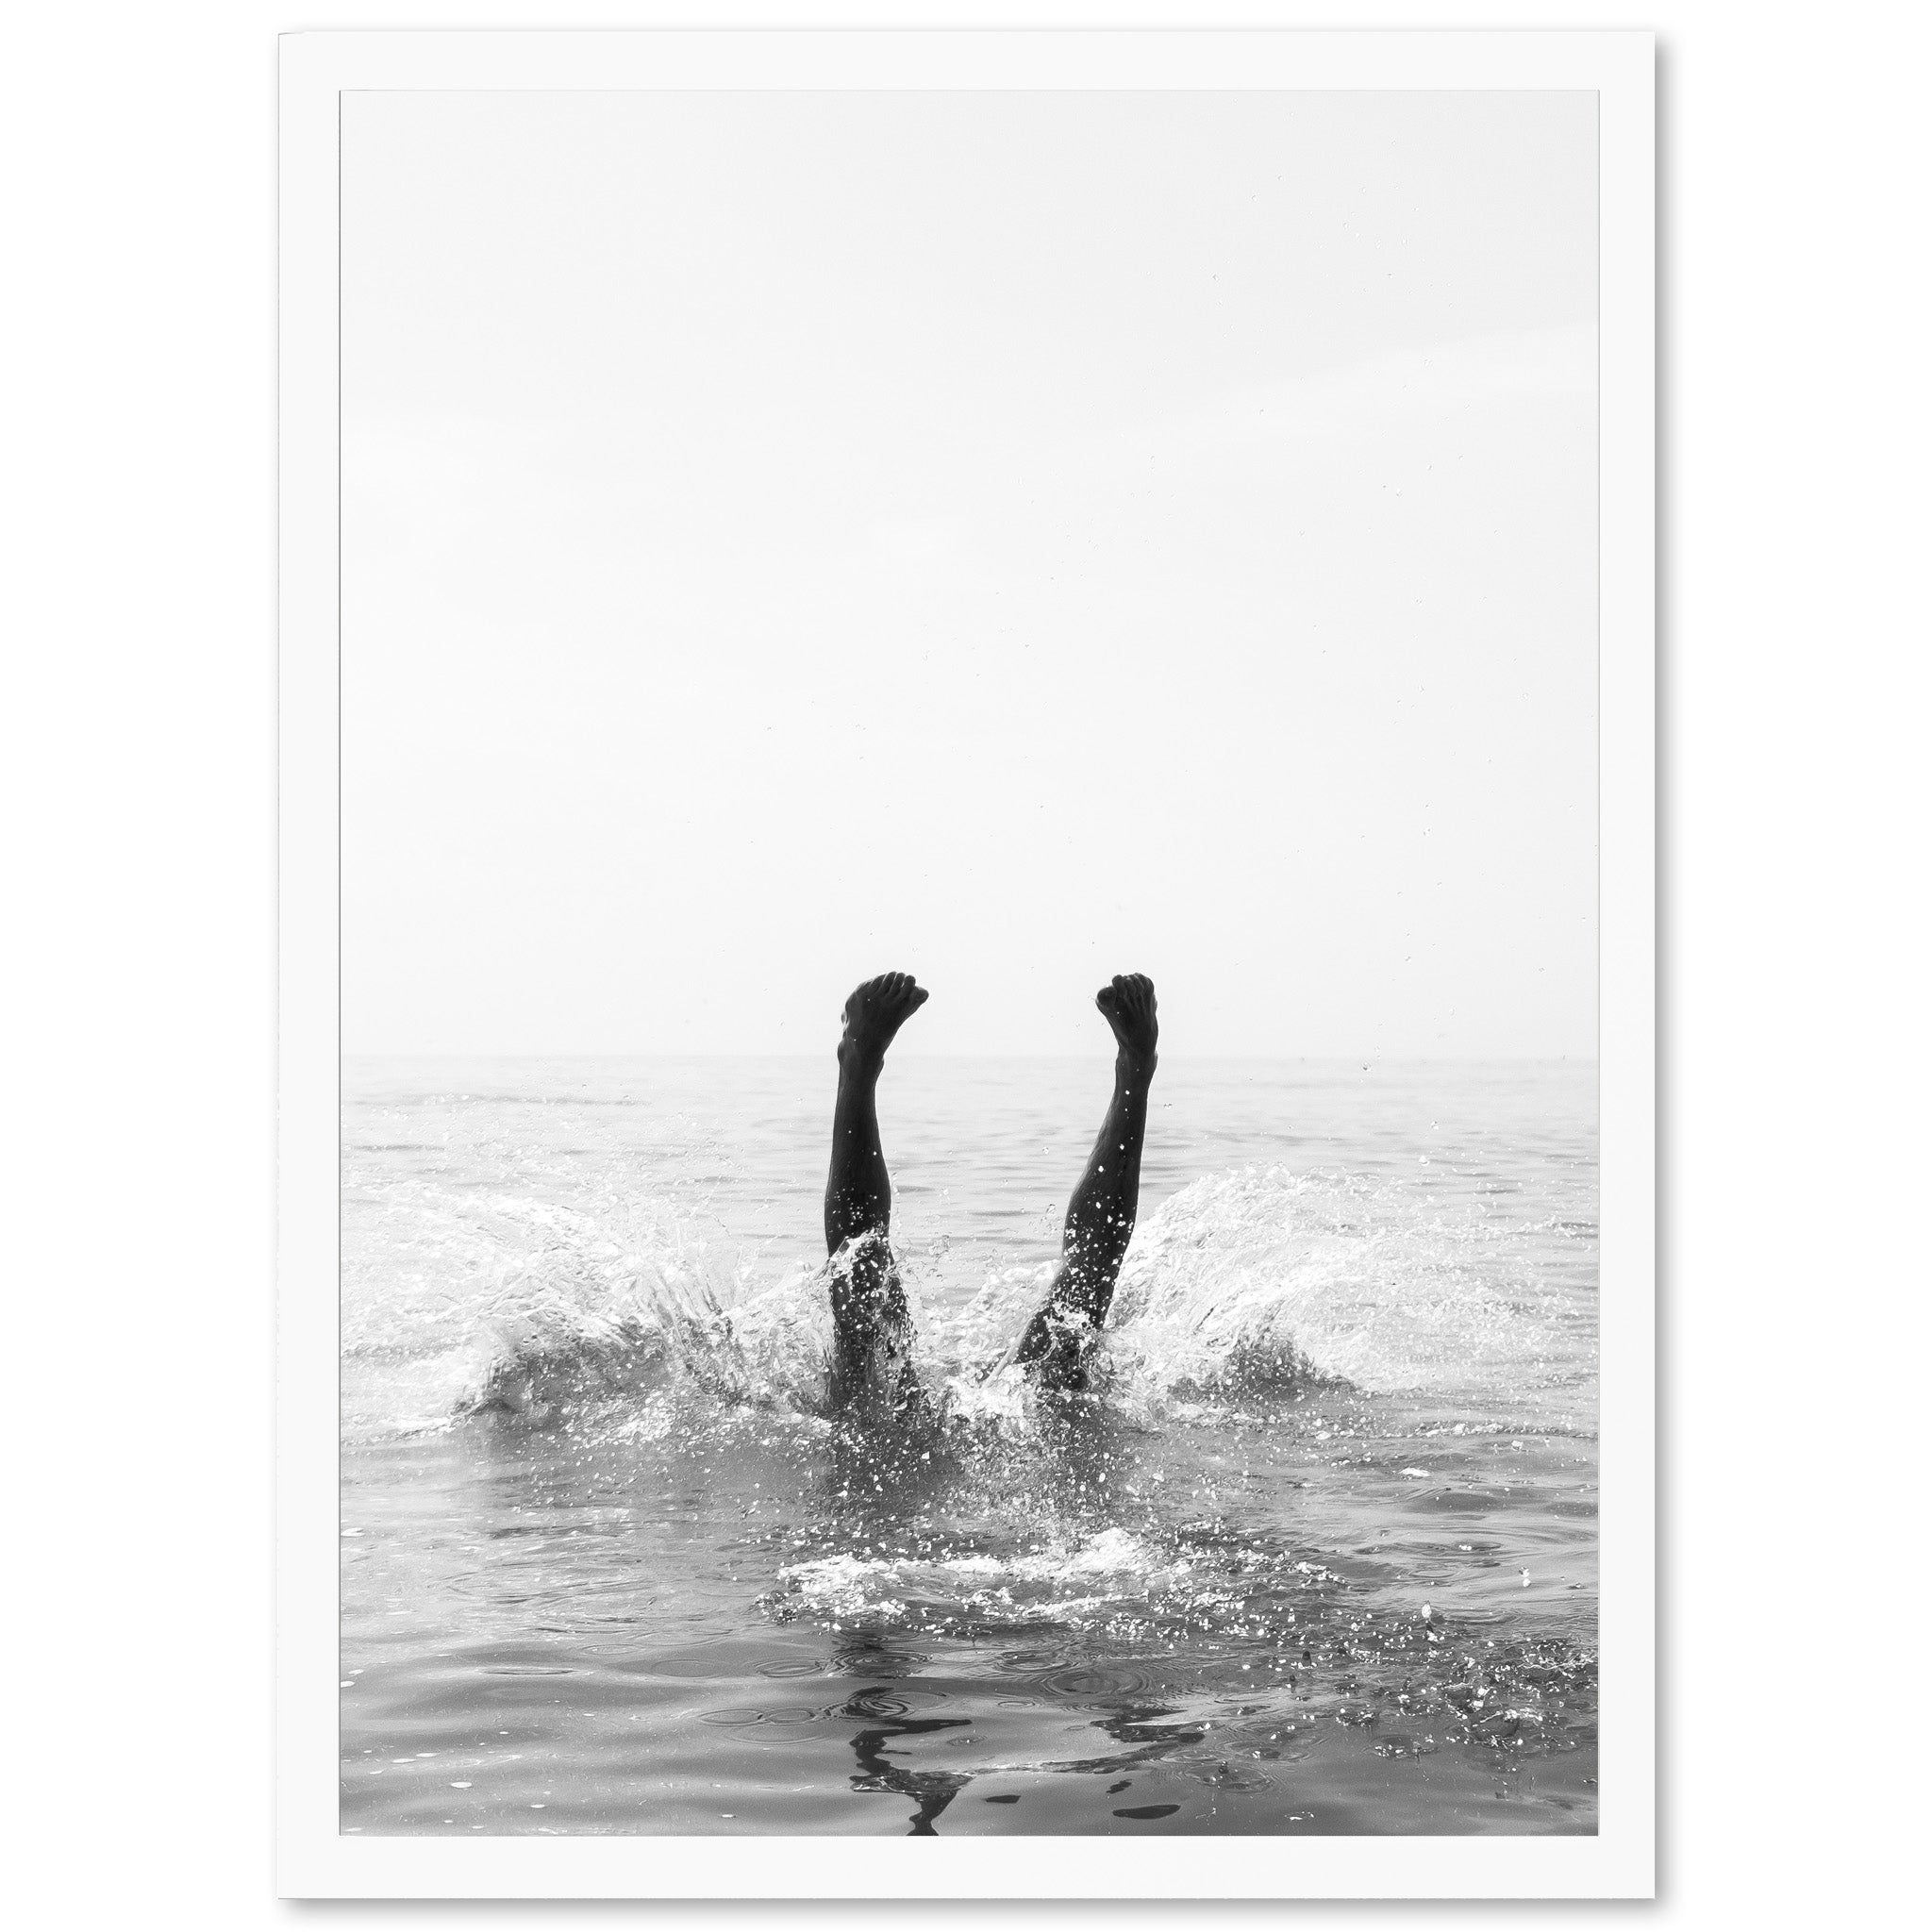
(967, 997)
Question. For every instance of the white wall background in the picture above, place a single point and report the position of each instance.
(1015, 538)
(139, 785)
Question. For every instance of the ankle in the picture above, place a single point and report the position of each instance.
(858, 1063)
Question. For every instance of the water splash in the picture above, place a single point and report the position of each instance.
(1261, 1280)
(1246, 1286)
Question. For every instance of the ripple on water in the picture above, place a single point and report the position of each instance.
(900, 1700)
(1093, 1682)
(740, 1716)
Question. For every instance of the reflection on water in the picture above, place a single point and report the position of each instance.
(1235, 1590)
(885, 1715)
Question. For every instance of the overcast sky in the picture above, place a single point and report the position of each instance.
(1011, 538)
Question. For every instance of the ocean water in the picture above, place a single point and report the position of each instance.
(1317, 1555)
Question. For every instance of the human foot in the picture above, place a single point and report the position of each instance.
(873, 1015)
(1128, 1005)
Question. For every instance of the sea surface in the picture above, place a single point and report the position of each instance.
(1318, 1554)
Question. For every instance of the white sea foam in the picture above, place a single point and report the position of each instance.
(1045, 1585)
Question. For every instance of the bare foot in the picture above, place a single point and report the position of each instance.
(873, 1015)
(1128, 1004)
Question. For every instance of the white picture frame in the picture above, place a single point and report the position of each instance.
(315, 1859)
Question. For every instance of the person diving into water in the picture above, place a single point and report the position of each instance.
(872, 1326)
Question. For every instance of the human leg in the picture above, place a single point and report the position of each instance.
(1100, 1215)
(869, 1322)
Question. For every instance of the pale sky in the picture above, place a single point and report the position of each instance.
(1014, 539)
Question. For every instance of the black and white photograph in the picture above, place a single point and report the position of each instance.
(968, 921)
(964, 962)
(1117, 570)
